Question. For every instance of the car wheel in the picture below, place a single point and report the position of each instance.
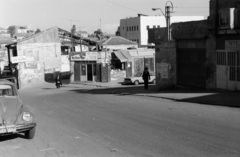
(136, 82)
(154, 81)
(30, 133)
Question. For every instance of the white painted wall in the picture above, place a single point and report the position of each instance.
(143, 21)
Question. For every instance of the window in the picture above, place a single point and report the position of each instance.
(123, 28)
(137, 28)
(7, 90)
(127, 28)
(134, 28)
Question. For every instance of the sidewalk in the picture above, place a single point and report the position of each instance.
(210, 97)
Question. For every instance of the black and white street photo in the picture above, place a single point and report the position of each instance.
(111, 78)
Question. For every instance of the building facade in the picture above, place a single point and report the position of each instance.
(203, 54)
(136, 28)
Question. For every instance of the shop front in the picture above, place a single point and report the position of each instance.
(84, 66)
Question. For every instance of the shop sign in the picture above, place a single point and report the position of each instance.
(232, 45)
(31, 65)
(18, 59)
(84, 56)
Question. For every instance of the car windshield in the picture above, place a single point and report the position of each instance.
(6, 90)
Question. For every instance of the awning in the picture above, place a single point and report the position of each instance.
(123, 55)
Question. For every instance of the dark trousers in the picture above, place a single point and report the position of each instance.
(146, 84)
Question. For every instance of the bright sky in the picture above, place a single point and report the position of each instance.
(89, 14)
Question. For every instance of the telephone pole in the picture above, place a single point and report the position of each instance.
(69, 53)
(167, 16)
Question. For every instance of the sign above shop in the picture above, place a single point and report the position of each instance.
(19, 59)
(232, 45)
(84, 56)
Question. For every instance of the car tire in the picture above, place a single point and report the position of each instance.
(136, 82)
(154, 81)
(30, 133)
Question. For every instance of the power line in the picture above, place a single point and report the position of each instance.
(123, 6)
(194, 7)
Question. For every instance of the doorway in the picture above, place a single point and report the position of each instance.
(228, 70)
(89, 72)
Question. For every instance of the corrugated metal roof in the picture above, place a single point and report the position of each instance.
(142, 52)
(117, 40)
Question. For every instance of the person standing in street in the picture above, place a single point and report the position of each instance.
(58, 81)
(146, 77)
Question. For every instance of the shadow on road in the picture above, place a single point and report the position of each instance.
(213, 97)
(11, 137)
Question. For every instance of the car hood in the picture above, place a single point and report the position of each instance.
(9, 108)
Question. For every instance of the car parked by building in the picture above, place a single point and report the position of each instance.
(138, 79)
(15, 117)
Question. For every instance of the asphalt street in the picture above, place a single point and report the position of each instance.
(84, 121)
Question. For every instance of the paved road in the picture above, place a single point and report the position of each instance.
(85, 122)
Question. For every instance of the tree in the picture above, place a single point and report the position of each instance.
(12, 30)
(118, 31)
(99, 34)
(38, 31)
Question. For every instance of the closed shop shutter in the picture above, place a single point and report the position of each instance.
(192, 66)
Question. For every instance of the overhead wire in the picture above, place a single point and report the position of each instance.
(114, 3)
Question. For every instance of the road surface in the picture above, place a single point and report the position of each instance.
(86, 121)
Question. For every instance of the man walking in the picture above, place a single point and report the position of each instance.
(146, 77)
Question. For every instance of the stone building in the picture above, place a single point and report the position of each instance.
(203, 54)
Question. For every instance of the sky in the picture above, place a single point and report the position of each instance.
(89, 15)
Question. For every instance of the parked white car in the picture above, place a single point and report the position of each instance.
(138, 79)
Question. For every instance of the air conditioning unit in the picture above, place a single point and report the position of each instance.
(226, 18)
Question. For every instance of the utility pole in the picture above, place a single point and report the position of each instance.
(168, 18)
(69, 53)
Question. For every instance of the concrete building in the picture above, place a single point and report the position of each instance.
(203, 54)
(21, 29)
(136, 28)
(4, 32)
(39, 57)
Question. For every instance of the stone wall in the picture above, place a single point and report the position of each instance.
(43, 57)
(166, 67)
(190, 30)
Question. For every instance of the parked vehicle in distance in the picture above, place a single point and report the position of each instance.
(138, 79)
(15, 117)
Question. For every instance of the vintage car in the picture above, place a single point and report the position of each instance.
(138, 79)
(15, 117)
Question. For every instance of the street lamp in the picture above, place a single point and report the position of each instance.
(154, 9)
(167, 16)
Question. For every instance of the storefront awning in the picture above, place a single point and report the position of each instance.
(123, 55)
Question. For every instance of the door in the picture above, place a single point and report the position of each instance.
(228, 70)
(129, 69)
(192, 67)
(77, 74)
(89, 72)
